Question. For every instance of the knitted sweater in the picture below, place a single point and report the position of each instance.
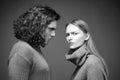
(26, 63)
(88, 66)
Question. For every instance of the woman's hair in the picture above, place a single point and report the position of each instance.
(30, 26)
(90, 44)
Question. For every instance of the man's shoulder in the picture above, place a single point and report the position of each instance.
(22, 46)
(22, 49)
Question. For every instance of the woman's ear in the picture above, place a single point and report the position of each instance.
(87, 37)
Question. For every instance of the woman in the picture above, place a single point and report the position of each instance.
(89, 64)
(33, 29)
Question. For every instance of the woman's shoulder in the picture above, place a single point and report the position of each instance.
(95, 65)
(93, 61)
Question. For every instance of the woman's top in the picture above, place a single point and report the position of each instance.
(27, 63)
(88, 66)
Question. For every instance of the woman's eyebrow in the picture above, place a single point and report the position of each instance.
(52, 28)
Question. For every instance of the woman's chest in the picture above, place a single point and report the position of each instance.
(80, 73)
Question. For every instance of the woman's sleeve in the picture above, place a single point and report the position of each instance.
(18, 68)
(95, 73)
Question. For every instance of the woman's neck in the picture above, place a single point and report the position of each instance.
(82, 47)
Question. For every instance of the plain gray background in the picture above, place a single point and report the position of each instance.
(102, 16)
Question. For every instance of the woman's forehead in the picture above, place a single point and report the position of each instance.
(72, 27)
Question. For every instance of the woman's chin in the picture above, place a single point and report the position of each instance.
(72, 47)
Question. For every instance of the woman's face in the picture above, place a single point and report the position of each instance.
(74, 36)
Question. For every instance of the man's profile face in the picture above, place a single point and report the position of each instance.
(50, 31)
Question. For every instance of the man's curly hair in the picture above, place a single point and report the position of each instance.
(31, 25)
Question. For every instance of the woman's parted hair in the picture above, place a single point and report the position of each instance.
(31, 25)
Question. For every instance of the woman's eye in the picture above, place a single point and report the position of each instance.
(74, 33)
(67, 35)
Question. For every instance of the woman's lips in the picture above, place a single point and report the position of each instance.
(70, 43)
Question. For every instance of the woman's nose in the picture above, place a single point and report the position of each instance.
(53, 34)
(69, 38)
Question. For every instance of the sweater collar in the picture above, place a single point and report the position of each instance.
(78, 56)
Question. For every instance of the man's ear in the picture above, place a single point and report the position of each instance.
(87, 37)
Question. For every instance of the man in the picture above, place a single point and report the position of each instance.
(33, 29)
